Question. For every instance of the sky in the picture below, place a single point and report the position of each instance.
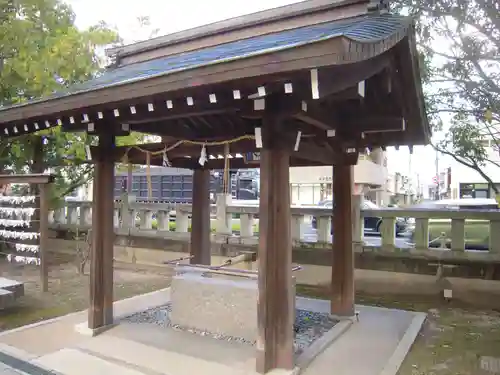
(170, 17)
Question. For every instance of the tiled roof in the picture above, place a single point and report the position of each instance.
(367, 29)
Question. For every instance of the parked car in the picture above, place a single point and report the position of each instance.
(371, 223)
(477, 232)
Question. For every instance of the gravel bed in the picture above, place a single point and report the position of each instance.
(309, 325)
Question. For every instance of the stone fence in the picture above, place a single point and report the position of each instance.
(436, 230)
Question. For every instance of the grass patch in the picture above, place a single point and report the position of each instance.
(68, 292)
(453, 340)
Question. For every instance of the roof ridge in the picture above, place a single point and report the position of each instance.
(232, 24)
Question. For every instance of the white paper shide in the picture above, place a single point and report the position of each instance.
(15, 223)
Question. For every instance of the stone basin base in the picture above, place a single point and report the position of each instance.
(220, 305)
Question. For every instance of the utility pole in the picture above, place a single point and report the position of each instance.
(437, 176)
(410, 179)
(418, 186)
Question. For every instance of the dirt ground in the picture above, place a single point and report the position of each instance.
(456, 339)
(68, 291)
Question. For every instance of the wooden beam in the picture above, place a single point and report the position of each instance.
(338, 78)
(200, 218)
(155, 111)
(313, 120)
(307, 151)
(101, 264)
(342, 286)
(238, 163)
(34, 178)
(276, 297)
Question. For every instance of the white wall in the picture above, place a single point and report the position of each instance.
(365, 172)
(305, 181)
(305, 193)
(463, 174)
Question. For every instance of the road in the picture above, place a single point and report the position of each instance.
(310, 235)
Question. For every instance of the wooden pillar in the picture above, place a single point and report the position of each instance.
(276, 298)
(101, 260)
(43, 228)
(41, 215)
(342, 297)
(200, 218)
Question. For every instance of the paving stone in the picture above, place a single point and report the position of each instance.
(19, 366)
(7, 370)
(490, 365)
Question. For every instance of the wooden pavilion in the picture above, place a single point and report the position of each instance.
(313, 83)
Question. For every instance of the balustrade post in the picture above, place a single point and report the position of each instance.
(458, 234)
(85, 216)
(116, 218)
(52, 217)
(297, 227)
(421, 233)
(224, 219)
(357, 220)
(246, 225)
(494, 243)
(181, 220)
(60, 216)
(146, 219)
(72, 215)
(388, 233)
(128, 221)
(163, 220)
(323, 228)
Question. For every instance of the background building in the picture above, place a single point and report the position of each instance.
(456, 180)
(310, 185)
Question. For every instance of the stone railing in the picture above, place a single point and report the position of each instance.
(438, 229)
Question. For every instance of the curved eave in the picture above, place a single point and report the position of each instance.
(334, 51)
(418, 83)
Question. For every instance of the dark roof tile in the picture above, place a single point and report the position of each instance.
(367, 29)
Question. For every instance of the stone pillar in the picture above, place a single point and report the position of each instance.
(246, 225)
(297, 227)
(224, 219)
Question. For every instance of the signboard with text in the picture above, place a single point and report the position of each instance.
(252, 157)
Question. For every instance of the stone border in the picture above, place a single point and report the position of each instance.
(23, 366)
(396, 359)
(83, 312)
(16, 352)
(40, 323)
(319, 345)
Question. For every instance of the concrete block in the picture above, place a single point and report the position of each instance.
(10, 290)
(6, 298)
(219, 305)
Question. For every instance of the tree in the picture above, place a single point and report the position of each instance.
(460, 45)
(42, 51)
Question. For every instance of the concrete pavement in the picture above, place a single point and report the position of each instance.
(134, 349)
